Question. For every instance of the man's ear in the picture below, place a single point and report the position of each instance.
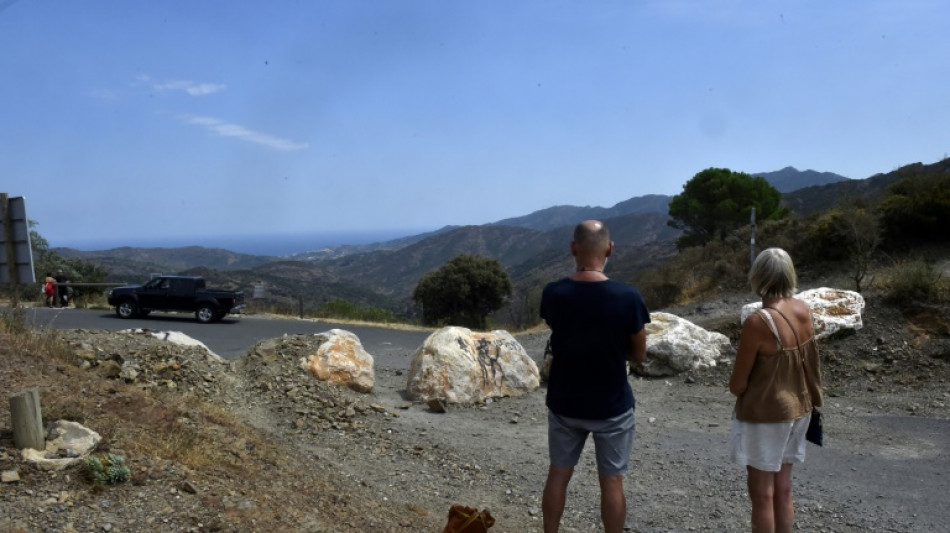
(610, 249)
(573, 248)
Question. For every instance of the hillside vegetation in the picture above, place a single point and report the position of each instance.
(851, 227)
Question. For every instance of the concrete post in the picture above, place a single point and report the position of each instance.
(27, 418)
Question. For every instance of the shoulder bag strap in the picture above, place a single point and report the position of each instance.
(794, 331)
(766, 317)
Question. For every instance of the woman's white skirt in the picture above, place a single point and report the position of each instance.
(766, 446)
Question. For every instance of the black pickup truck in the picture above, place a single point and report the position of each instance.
(175, 293)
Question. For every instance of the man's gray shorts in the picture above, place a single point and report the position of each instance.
(613, 441)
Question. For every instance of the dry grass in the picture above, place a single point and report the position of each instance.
(142, 423)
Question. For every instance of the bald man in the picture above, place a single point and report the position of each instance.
(597, 326)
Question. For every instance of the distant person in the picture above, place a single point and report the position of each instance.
(49, 289)
(62, 291)
(777, 382)
(597, 325)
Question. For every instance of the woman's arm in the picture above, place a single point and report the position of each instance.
(754, 333)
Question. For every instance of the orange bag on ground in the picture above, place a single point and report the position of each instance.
(468, 520)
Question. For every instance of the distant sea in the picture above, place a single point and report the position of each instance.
(273, 245)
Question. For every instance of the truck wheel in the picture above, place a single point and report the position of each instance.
(126, 309)
(205, 314)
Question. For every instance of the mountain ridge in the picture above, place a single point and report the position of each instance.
(541, 220)
(790, 179)
(530, 247)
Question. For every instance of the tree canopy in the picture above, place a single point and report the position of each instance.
(917, 209)
(463, 291)
(716, 201)
(46, 261)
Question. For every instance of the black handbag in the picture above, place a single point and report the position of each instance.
(814, 434)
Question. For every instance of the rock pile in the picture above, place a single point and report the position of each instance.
(152, 360)
(272, 370)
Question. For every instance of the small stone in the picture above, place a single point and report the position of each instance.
(9, 476)
(436, 405)
(188, 487)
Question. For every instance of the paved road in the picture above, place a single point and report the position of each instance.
(233, 336)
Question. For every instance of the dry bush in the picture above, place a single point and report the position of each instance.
(696, 273)
(703, 272)
(190, 431)
(19, 338)
(913, 282)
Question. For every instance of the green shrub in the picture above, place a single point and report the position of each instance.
(463, 292)
(106, 469)
(917, 209)
(350, 311)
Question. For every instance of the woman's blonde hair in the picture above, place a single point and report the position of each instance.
(773, 274)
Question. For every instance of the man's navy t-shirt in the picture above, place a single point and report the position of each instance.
(591, 326)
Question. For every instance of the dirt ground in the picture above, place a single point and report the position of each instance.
(257, 445)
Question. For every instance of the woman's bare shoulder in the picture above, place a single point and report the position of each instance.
(802, 313)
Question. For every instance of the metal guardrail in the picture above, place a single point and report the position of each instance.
(74, 284)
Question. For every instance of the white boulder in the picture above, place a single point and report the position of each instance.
(341, 360)
(66, 445)
(460, 366)
(833, 310)
(676, 345)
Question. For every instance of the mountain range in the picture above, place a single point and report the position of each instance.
(532, 247)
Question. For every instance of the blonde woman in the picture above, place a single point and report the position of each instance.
(777, 383)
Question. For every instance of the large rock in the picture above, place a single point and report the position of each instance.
(340, 359)
(676, 345)
(833, 310)
(67, 444)
(460, 366)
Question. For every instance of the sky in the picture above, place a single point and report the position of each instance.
(179, 122)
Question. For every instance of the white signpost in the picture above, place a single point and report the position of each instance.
(16, 267)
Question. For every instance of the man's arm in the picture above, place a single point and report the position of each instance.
(638, 347)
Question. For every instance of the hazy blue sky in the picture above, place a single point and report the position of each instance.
(134, 121)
